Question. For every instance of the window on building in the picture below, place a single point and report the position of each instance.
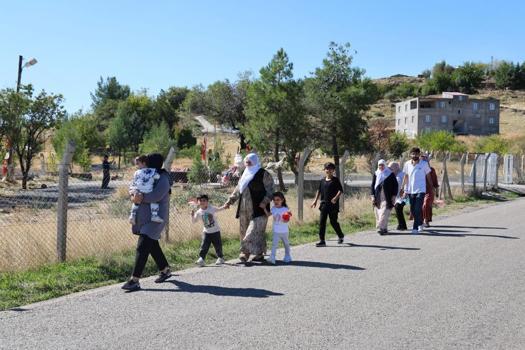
(413, 104)
(492, 106)
(428, 129)
(412, 119)
(459, 111)
(442, 104)
(406, 120)
(475, 106)
(399, 122)
(428, 119)
(406, 107)
(461, 97)
(492, 120)
(444, 119)
(399, 108)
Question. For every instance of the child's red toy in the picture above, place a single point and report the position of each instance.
(287, 216)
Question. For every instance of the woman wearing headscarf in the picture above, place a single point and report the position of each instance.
(383, 192)
(148, 231)
(400, 202)
(254, 192)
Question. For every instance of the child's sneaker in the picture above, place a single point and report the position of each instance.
(157, 219)
(219, 261)
(200, 262)
(272, 261)
(133, 219)
(287, 259)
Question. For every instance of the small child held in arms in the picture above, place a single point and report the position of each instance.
(281, 216)
(143, 182)
(211, 233)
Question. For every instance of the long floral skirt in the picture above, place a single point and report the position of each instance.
(253, 235)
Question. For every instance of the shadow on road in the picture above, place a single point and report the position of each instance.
(382, 247)
(215, 290)
(322, 265)
(472, 227)
(450, 233)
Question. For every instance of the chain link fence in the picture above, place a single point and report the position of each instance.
(98, 219)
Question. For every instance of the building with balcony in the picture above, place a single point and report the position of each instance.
(451, 111)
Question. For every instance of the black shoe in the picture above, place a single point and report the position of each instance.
(321, 244)
(401, 228)
(383, 232)
(163, 276)
(341, 240)
(131, 285)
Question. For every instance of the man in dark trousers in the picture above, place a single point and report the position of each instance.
(105, 172)
(329, 191)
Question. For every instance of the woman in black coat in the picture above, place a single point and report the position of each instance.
(383, 194)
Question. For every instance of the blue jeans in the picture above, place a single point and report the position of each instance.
(416, 208)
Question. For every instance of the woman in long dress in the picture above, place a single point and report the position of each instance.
(254, 193)
(383, 192)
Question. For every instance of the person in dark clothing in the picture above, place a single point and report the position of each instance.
(149, 232)
(400, 202)
(383, 192)
(329, 191)
(105, 173)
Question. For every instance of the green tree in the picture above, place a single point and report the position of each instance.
(276, 117)
(106, 98)
(78, 129)
(468, 77)
(492, 144)
(168, 105)
(26, 119)
(198, 173)
(338, 96)
(397, 144)
(118, 137)
(195, 101)
(137, 113)
(157, 139)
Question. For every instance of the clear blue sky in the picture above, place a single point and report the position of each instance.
(157, 44)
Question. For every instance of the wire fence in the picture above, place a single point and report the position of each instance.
(98, 219)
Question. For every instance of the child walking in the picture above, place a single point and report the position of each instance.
(281, 216)
(143, 182)
(211, 233)
(329, 191)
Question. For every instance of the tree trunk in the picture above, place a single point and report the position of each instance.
(242, 141)
(118, 166)
(24, 181)
(335, 152)
(276, 159)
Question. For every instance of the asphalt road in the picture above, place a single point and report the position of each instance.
(461, 285)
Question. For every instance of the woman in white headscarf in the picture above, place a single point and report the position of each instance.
(383, 193)
(254, 192)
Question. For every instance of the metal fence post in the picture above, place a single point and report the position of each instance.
(485, 165)
(63, 201)
(462, 166)
(474, 171)
(167, 166)
(342, 167)
(300, 183)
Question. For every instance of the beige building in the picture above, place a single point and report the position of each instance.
(452, 111)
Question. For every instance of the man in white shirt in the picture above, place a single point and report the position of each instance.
(415, 186)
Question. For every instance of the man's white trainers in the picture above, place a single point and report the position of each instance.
(420, 229)
(219, 261)
(200, 262)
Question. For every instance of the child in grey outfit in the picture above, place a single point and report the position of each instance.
(143, 182)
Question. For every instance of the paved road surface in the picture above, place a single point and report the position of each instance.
(459, 286)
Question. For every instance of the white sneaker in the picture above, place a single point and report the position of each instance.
(287, 259)
(420, 229)
(272, 261)
(200, 262)
(157, 219)
(219, 261)
(415, 232)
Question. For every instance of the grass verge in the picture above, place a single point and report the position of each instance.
(54, 280)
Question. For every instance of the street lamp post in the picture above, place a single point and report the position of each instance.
(10, 160)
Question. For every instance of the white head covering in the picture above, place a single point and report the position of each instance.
(250, 171)
(382, 175)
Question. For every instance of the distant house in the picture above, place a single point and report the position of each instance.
(452, 111)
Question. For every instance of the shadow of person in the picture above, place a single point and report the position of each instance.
(183, 287)
(382, 247)
(471, 227)
(322, 265)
